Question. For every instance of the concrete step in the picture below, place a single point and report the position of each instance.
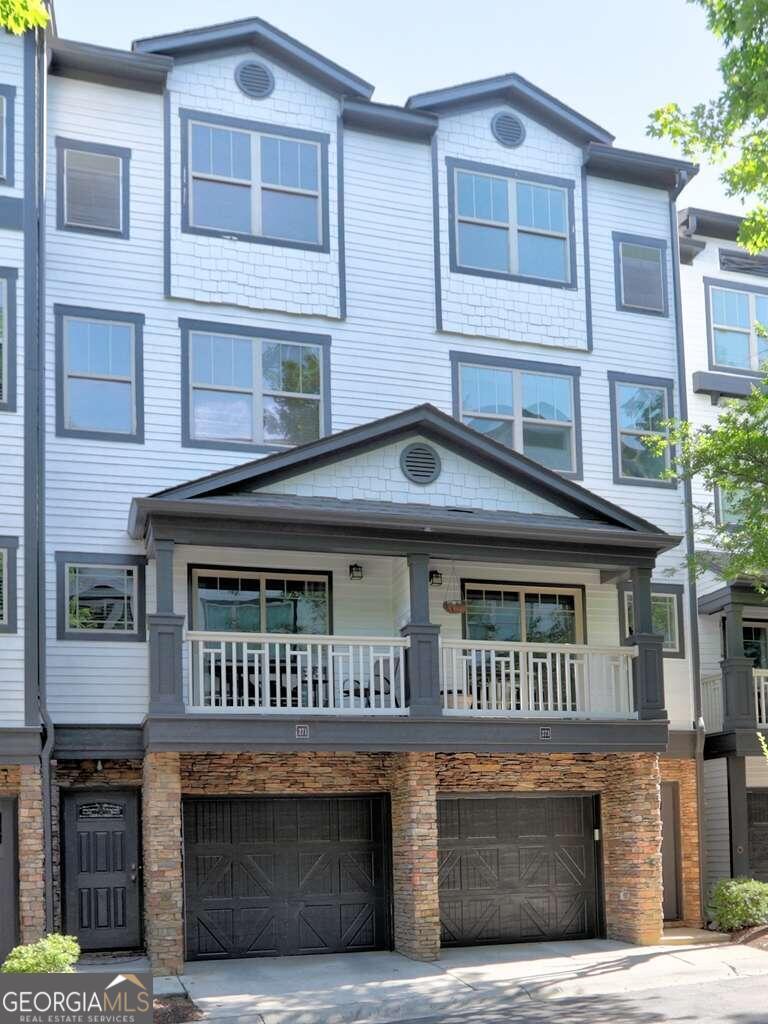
(693, 937)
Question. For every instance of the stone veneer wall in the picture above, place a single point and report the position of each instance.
(685, 773)
(628, 785)
(163, 874)
(24, 782)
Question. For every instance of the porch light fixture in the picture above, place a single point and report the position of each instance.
(435, 578)
(356, 571)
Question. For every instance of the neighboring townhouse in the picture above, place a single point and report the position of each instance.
(724, 294)
(366, 622)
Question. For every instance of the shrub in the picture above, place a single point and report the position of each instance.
(55, 954)
(739, 903)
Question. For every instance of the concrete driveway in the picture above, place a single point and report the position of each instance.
(383, 987)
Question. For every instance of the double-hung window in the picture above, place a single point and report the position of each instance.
(641, 274)
(8, 549)
(666, 616)
(93, 187)
(506, 225)
(7, 129)
(101, 597)
(256, 183)
(8, 278)
(527, 408)
(640, 408)
(734, 314)
(253, 390)
(99, 356)
(726, 506)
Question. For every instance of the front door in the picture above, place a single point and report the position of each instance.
(101, 869)
(8, 874)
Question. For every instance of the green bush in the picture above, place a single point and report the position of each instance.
(739, 903)
(55, 954)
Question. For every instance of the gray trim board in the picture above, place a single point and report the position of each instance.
(605, 161)
(11, 545)
(83, 146)
(9, 402)
(735, 286)
(138, 562)
(711, 223)
(453, 165)
(11, 213)
(167, 194)
(741, 742)
(739, 261)
(20, 745)
(106, 66)
(94, 742)
(722, 385)
(429, 421)
(650, 243)
(321, 138)
(520, 94)
(86, 312)
(690, 249)
(657, 588)
(683, 743)
(437, 255)
(574, 372)
(737, 592)
(387, 120)
(8, 93)
(448, 733)
(340, 218)
(238, 330)
(585, 249)
(614, 377)
(260, 35)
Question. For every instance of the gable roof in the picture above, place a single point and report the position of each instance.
(255, 32)
(425, 421)
(522, 94)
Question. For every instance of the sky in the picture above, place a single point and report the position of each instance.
(612, 60)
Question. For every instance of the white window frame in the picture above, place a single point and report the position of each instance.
(522, 590)
(257, 391)
(255, 183)
(657, 595)
(517, 419)
(659, 251)
(749, 332)
(628, 432)
(78, 632)
(83, 225)
(262, 575)
(68, 375)
(512, 227)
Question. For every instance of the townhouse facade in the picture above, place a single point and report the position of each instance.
(345, 608)
(724, 296)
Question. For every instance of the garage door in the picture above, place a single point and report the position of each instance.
(517, 869)
(274, 876)
(757, 822)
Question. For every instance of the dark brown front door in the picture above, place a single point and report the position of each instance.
(275, 876)
(8, 875)
(517, 869)
(757, 825)
(101, 869)
(670, 850)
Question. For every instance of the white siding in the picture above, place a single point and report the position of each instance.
(757, 772)
(716, 826)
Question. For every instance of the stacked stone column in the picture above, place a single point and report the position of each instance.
(163, 880)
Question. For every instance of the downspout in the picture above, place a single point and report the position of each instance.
(693, 607)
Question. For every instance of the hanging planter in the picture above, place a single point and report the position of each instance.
(454, 604)
(455, 607)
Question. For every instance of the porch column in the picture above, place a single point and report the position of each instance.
(165, 629)
(163, 876)
(739, 711)
(423, 657)
(649, 665)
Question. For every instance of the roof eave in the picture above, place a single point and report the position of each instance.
(639, 168)
(106, 66)
(395, 122)
(710, 223)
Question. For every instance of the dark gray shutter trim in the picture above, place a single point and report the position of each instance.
(254, 79)
(420, 463)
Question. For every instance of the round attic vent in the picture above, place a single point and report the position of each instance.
(254, 79)
(508, 129)
(420, 463)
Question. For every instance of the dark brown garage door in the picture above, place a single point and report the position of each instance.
(281, 875)
(517, 869)
(757, 821)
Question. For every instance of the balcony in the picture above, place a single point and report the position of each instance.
(712, 700)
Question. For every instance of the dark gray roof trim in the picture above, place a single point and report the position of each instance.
(690, 249)
(383, 119)
(693, 221)
(267, 39)
(426, 421)
(741, 591)
(106, 66)
(639, 168)
(521, 94)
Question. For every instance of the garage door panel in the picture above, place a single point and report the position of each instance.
(757, 824)
(535, 879)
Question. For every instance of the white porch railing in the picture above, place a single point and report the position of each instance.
(712, 702)
(285, 673)
(761, 696)
(537, 680)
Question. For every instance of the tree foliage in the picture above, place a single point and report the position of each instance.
(17, 16)
(732, 128)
